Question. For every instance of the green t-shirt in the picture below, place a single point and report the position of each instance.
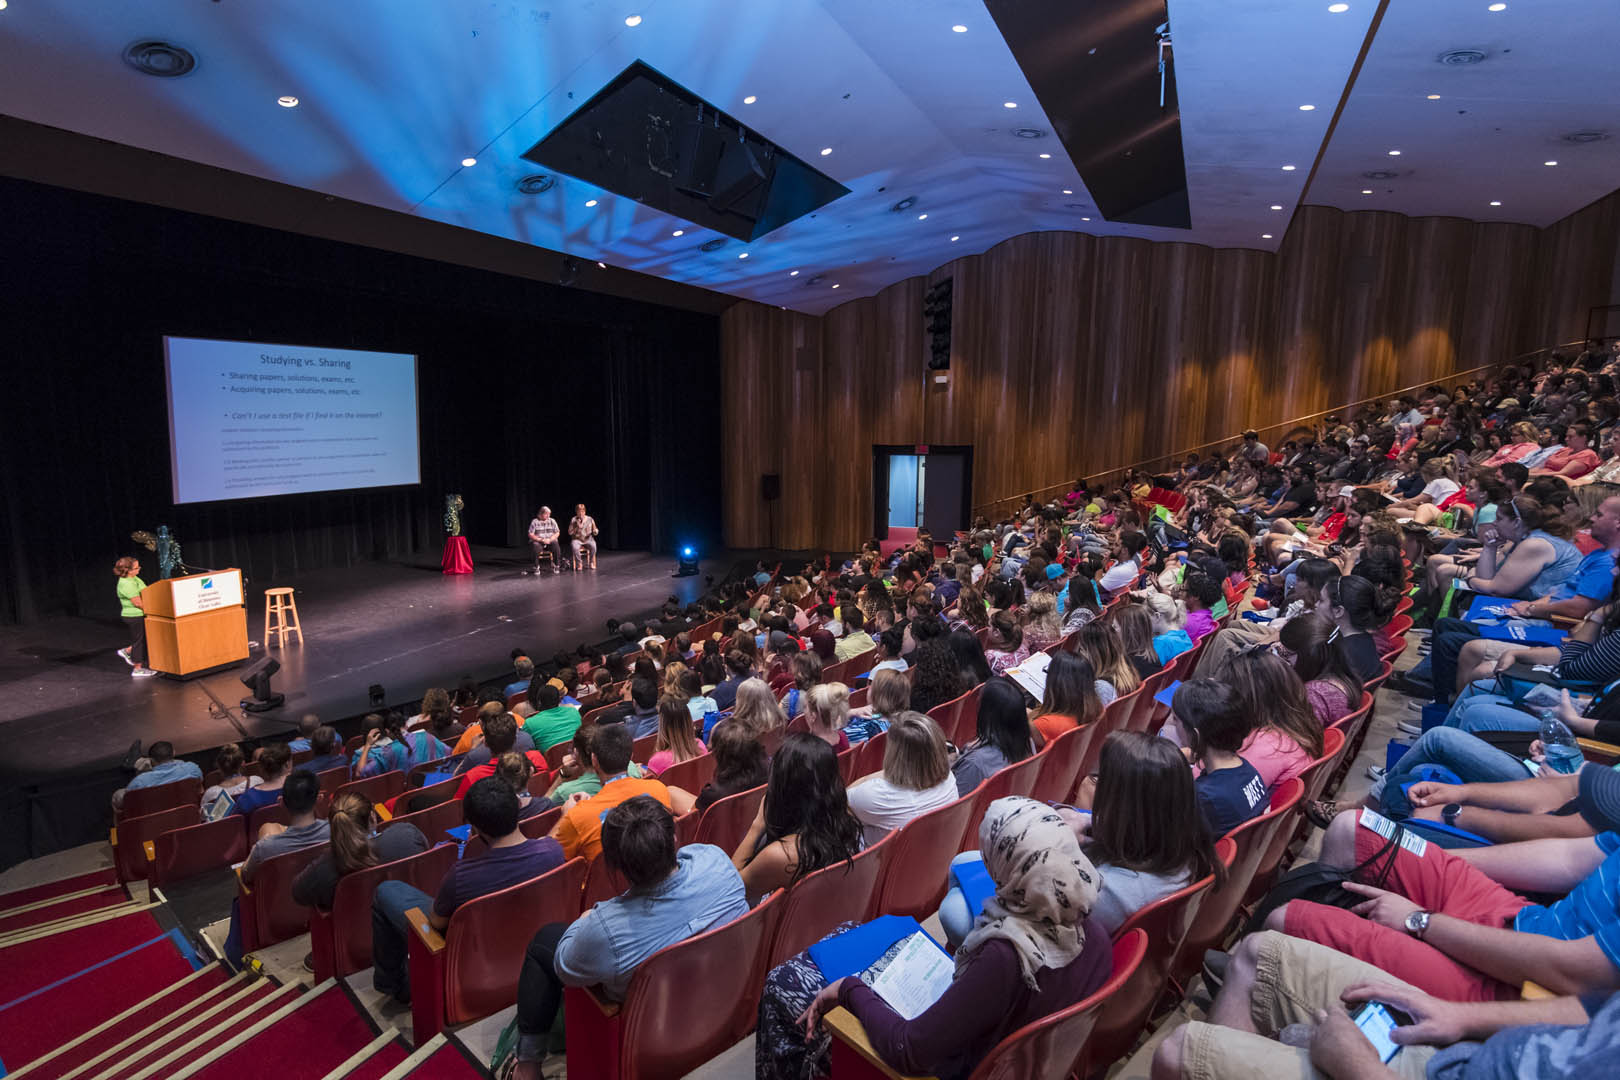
(129, 588)
(553, 726)
(589, 783)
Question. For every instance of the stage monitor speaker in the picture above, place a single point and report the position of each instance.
(770, 486)
(257, 679)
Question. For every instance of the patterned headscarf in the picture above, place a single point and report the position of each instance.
(1045, 886)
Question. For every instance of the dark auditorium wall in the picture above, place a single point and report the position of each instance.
(1073, 353)
(529, 393)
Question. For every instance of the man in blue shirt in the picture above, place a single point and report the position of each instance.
(306, 727)
(525, 672)
(165, 769)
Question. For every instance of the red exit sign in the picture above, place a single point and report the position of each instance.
(920, 449)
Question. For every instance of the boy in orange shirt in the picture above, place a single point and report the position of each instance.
(580, 828)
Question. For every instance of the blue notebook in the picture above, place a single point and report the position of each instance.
(976, 884)
(1488, 607)
(857, 949)
(436, 778)
(1163, 696)
(1527, 633)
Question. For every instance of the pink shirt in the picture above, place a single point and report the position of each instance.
(1559, 460)
(665, 758)
(1199, 624)
(1274, 755)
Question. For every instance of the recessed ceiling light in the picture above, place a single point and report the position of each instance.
(1009, 104)
(286, 101)
(632, 20)
(1366, 191)
(1288, 168)
(590, 202)
(954, 239)
(1046, 157)
(1265, 236)
(742, 255)
(1274, 206)
(1307, 108)
(922, 217)
(602, 264)
(1434, 97)
(2, 5)
(793, 273)
(1549, 162)
(1496, 202)
(1338, 9)
(1497, 7)
(678, 232)
(835, 285)
(468, 162)
(1085, 219)
(825, 150)
(1394, 153)
(750, 99)
(959, 28)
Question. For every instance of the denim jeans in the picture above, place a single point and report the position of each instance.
(954, 917)
(1473, 760)
(1477, 708)
(390, 954)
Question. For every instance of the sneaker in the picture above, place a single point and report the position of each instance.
(1410, 726)
(309, 962)
(124, 653)
(1375, 772)
(1214, 972)
(143, 673)
(1376, 792)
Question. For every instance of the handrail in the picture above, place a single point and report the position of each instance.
(989, 509)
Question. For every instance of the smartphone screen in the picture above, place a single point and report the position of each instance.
(1376, 1021)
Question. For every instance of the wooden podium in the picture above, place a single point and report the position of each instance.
(195, 623)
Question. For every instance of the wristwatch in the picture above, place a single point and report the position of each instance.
(1449, 814)
(1417, 924)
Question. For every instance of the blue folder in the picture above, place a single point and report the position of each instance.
(976, 884)
(1523, 633)
(1163, 696)
(1488, 607)
(436, 777)
(858, 948)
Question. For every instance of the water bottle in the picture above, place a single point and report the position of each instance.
(1563, 755)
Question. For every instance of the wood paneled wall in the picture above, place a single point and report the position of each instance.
(1074, 354)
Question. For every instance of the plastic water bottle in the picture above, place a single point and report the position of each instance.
(1563, 755)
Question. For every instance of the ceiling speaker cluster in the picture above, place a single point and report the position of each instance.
(1029, 133)
(536, 184)
(714, 245)
(1462, 57)
(161, 59)
(1586, 136)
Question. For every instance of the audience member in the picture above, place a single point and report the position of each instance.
(580, 828)
(1002, 736)
(915, 778)
(804, 822)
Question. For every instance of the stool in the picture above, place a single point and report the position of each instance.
(281, 616)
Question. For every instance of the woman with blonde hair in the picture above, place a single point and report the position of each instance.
(827, 710)
(1042, 627)
(1168, 620)
(676, 741)
(353, 847)
(1099, 642)
(916, 777)
(888, 695)
(757, 709)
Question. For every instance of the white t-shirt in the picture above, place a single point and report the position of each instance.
(1441, 489)
(883, 807)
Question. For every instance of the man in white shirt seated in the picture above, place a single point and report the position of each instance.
(543, 533)
(1123, 574)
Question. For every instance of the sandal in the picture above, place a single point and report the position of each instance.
(1321, 812)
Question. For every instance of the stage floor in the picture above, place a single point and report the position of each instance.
(68, 703)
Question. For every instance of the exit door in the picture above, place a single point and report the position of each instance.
(921, 487)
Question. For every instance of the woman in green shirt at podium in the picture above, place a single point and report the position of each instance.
(129, 606)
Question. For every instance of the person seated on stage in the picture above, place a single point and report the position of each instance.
(1298, 984)
(306, 727)
(582, 537)
(575, 773)
(492, 810)
(228, 762)
(674, 894)
(390, 748)
(356, 845)
(1450, 922)
(580, 829)
(555, 722)
(500, 737)
(328, 750)
(523, 667)
(276, 761)
(162, 768)
(543, 533)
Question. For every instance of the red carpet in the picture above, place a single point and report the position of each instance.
(379, 1065)
(30, 965)
(62, 909)
(77, 883)
(447, 1063)
(37, 1024)
(320, 1036)
(177, 998)
(246, 1012)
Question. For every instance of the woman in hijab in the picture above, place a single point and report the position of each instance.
(1033, 950)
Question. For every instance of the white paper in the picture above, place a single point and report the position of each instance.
(1031, 675)
(918, 976)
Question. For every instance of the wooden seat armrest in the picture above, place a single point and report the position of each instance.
(112, 836)
(429, 937)
(1593, 748)
(150, 847)
(1564, 622)
(608, 1008)
(848, 1030)
(247, 890)
(1535, 991)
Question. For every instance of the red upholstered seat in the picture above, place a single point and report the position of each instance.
(1060, 764)
(198, 849)
(341, 938)
(691, 774)
(472, 969)
(834, 894)
(1313, 778)
(869, 754)
(149, 800)
(1016, 779)
(332, 779)
(967, 718)
(133, 833)
(433, 821)
(266, 908)
(725, 822)
(642, 748)
(379, 788)
(664, 1028)
(602, 883)
(1166, 923)
(919, 858)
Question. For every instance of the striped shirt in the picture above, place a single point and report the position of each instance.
(543, 529)
(1592, 908)
(1595, 662)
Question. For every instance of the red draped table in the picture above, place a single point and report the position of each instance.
(457, 556)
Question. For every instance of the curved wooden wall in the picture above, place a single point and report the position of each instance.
(1074, 353)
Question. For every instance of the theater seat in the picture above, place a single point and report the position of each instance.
(198, 849)
(1015, 779)
(1046, 1049)
(725, 822)
(132, 858)
(685, 1004)
(471, 970)
(266, 907)
(341, 938)
(379, 788)
(691, 774)
(820, 901)
(149, 800)
(1060, 764)
(601, 883)
(434, 821)
(919, 858)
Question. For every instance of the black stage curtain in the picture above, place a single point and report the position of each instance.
(529, 393)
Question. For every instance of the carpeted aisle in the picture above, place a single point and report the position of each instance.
(319, 1035)
(110, 896)
(28, 965)
(78, 883)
